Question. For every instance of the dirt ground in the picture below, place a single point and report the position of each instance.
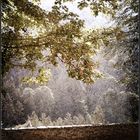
(99, 132)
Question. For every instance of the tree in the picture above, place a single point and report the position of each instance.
(88, 118)
(131, 66)
(100, 6)
(123, 42)
(68, 119)
(75, 120)
(44, 100)
(48, 121)
(133, 105)
(28, 100)
(98, 115)
(34, 119)
(81, 119)
(12, 108)
(59, 122)
(63, 41)
(119, 107)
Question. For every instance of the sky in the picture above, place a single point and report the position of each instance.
(90, 20)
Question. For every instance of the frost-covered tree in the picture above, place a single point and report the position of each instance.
(124, 44)
(68, 119)
(60, 122)
(48, 121)
(81, 119)
(75, 120)
(98, 115)
(131, 103)
(34, 119)
(88, 118)
(119, 107)
(44, 100)
(12, 108)
(28, 100)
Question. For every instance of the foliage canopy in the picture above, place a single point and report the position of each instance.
(59, 34)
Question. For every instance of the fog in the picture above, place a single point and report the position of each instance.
(66, 101)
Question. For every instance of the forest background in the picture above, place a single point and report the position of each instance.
(58, 71)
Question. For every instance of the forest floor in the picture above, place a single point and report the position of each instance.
(79, 132)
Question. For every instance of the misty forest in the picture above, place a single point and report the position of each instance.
(69, 62)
